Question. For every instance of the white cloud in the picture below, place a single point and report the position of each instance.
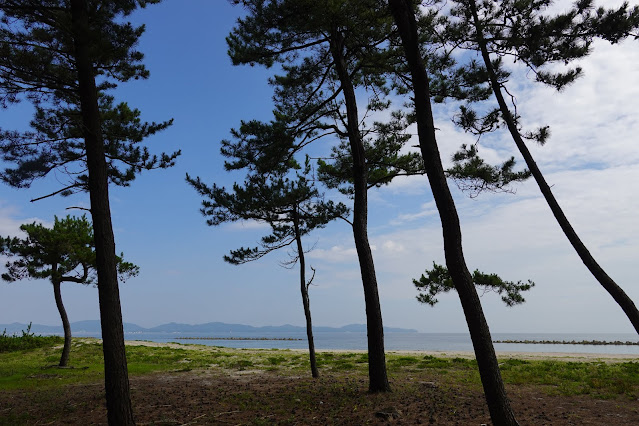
(390, 246)
(593, 122)
(10, 223)
(247, 225)
(426, 210)
(335, 254)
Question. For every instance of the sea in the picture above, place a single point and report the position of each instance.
(442, 342)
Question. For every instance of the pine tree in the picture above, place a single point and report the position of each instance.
(498, 404)
(536, 40)
(63, 253)
(326, 50)
(52, 54)
(291, 205)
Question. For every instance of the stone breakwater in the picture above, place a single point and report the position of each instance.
(570, 342)
(238, 338)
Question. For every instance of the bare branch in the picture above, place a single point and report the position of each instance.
(75, 185)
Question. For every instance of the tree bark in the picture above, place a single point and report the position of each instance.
(304, 290)
(375, 330)
(617, 293)
(496, 398)
(66, 349)
(119, 409)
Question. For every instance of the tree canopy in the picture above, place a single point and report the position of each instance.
(437, 280)
(37, 64)
(62, 253)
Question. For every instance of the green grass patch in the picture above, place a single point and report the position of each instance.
(36, 367)
(342, 361)
(26, 341)
(402, 361)
(599, 379)
(430, 361)
(276, 360)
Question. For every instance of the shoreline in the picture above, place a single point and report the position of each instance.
(528, 356)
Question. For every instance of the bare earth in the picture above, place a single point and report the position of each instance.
(248, 397)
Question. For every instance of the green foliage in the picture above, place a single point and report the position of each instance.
(26, 341)
(437, 280)
(293, 207)
(260, 147)
(533, 37)
(37, 64)
(65, 252)
(522, 32)
(473, 175)
(385, 157)
(309, 95)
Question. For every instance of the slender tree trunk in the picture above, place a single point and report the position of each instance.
(376, 356)
(498, 404)
(66, 349)
(304, 290)
(116, 377)
(597, 271)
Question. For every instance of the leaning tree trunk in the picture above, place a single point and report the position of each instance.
(376, 356)
(66, 349)
(496, 398)
(118, 399)
(597, 271)
(304, 290)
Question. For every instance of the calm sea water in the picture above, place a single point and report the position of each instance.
(404, 341)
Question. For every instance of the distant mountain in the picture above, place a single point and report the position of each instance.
(92, 327)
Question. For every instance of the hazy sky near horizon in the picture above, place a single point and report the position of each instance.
(591, 161)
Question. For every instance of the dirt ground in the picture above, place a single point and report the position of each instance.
(222, 397)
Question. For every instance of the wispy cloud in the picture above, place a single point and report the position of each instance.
(247, 225)
(335, 254)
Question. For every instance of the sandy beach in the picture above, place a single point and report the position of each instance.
(538, 356)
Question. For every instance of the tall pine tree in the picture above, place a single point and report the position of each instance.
(290, 204)
(63, 56)
(327, 50)
(537, 40)
(498, 404)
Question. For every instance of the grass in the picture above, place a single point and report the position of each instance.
(34, 367)
(28, 340)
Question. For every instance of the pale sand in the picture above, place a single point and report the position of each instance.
(538, 356)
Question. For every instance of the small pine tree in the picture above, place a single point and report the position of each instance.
(63, 253)
(292, 206)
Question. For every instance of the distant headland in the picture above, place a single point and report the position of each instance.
(93, 327)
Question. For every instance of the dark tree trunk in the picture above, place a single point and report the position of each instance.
(498, 404)
(116, 377)
(376, 356)
(66, 349)
(304, 290)
(597, 271)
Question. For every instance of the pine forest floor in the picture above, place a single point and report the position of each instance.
(204, 385)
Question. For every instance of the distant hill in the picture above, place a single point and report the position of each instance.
(92, 327)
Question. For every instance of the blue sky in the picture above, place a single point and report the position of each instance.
(592, 161)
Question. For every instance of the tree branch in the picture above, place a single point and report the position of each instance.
(75, 185)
